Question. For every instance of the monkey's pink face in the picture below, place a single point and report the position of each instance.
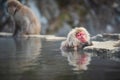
(81, 36)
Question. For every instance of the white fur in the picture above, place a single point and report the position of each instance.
(72, 41)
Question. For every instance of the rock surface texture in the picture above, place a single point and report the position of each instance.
(105, 43)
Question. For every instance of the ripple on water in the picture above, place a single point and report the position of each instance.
(38, 59)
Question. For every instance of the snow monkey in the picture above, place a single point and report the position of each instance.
(77, 38)
(26, 22)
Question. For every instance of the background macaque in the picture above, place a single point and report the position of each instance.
(77, 38)
(26, 22)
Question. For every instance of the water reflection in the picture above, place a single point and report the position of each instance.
(27, 59)
(18, 55)
(26, 51)
(78, 59)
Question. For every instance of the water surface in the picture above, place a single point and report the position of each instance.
(39, 59)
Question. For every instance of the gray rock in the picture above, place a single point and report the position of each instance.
(105, 43)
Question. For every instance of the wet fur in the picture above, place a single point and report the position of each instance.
(72, 41)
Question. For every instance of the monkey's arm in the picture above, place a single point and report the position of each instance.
(17, 28)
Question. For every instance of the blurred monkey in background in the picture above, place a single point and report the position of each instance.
(26, 22)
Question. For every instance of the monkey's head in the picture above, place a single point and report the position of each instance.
(83, 36)
(13, 6)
